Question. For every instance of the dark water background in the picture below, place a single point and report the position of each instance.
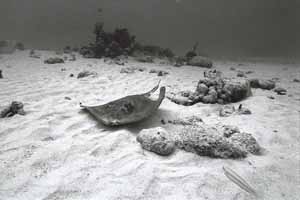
(222, 27)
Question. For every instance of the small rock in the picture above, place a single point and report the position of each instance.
(127, 70)
(157, 140)
(159, 72)
(71, 75)
(1, 76)
(296, 80)
(226, 111)
(68, 98)
(178, 99)
(249, 72)
(241, 74)
(212, 74)
(280, 91)
(232, 69)
(33, 54)
(243, 111)
(73, 57)
(86, 74)
(54, 60)
(271, 97)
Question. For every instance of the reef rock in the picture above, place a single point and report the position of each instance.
(157, 140)
(220, 142)
(209, 142)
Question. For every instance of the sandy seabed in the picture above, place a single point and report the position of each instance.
(56, 151)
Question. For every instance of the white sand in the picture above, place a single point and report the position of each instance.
(57, 151)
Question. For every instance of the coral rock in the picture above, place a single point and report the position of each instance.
(157, 140)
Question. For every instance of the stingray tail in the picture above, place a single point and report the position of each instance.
(237, 179)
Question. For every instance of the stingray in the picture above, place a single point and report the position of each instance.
(128, 109)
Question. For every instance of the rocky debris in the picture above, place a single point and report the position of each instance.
(217, 142)
(131, 70)
(212, 91)
(229, 130)
(157, 140)
(243, 111)
(1, 76)
(87, 52)
(159, 72)
(33, 54)
(246, 141)
(73, 57)
(296, 80)
(145, 59)
(181, 100)
(280, 91)
(241, 74)
(192, 120)
(86, 74)
(127, 70)
(120, 60)
(65, 58)
(63, 69)
(271, 97)
(67, 50)
(179, 61)
(249, 72)
(200, 61)
(226, 90)
(54, 60)
(15, 107)
(209, 142)
(228, 110)
(212, 74)
(262, 84)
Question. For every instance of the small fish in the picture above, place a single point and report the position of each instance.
(237, 179)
